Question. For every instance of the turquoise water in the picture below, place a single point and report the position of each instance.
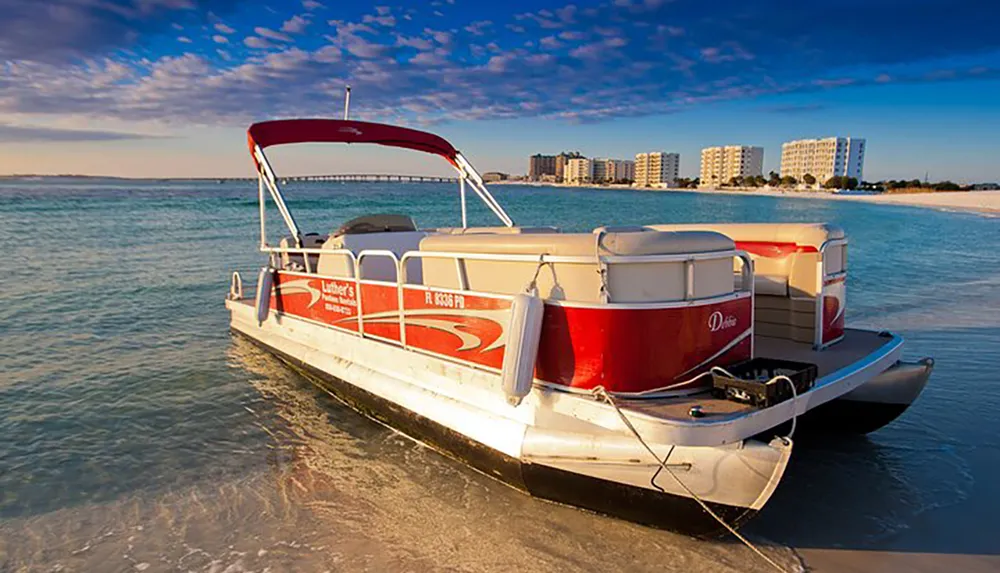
(137, 434)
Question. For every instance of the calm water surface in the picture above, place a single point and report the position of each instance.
(137, 434)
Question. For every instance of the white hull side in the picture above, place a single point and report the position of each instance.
(469, 401)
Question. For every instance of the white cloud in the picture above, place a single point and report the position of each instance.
(439, 36)
(184, 39)
(479, 27)
(437, 57)
(295, 25)
(220, 27)
(327, 54)
(421, 44)
(550, 43)
(386, 21)
(220, 39)
(271, 34)
(256, 43)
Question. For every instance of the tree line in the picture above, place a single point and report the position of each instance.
(836, 182)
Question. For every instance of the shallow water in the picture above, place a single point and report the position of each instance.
(139, 435)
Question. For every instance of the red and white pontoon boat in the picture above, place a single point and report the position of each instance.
(585, 368)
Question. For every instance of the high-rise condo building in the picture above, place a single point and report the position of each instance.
(539, 165)
(656, 169)
(720, 164)
(823, 158)
(611, 170)
(578, 170)
(561, 161)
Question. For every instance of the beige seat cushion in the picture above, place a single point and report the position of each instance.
(628, 282)
(373, 267)
(793, 275)
(805, 234)
(493, 230)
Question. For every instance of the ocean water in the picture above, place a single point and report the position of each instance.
(137, 434)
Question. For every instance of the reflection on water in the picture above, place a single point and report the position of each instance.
(342, 492)
(138, 435)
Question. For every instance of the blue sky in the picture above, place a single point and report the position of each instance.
(167, 87)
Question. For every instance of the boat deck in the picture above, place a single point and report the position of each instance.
(856, 345)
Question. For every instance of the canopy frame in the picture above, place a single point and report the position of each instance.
(284, 132)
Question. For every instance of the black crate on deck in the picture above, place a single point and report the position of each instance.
(754, 383)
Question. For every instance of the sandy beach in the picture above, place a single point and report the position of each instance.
(987, 202)
(979, 201)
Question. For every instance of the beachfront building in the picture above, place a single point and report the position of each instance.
(720, 164)
(656, 169)
(540, 165)
(578, 171)
(561, 160)
(612, 170)
(823, 158)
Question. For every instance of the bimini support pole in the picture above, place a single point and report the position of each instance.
(267, 176)
(461, 190)
(466, 170)
(263, 210)
(347, 103)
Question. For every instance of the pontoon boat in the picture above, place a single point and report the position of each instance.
(585, 368)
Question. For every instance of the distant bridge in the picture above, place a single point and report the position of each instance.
(356, 178)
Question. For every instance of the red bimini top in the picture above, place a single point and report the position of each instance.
(285, 131)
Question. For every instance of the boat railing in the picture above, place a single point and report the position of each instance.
(689, 260)
(825, 280)
(402, 284)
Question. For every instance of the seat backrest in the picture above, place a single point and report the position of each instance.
(295, 261)
(788, 277)
(493, 230)
(372, 267)
(627, 282)
(785, 255)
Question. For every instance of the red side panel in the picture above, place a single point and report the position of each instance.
(462, 326)
(330, 301)
(380, 305)
(834, 303)
(624, 350)
(635, 350)
(773, 250)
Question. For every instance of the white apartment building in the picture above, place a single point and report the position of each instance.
(720, 164)
(579, 170)
(657, 169)
(823, 158)
(610, 170)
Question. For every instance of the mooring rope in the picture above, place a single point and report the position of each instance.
(602, 394)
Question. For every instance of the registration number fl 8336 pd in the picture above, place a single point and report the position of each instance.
(444, 299)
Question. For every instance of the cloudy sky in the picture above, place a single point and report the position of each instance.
(168, 87)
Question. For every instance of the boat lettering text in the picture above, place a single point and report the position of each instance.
(717, 321)
(339, 297)
(445, 299)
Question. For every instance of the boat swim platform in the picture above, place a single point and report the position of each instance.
(855, 347)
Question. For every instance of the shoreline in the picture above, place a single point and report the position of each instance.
(837, 560)
(982, 202)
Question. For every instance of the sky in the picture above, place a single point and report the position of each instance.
(161, 88)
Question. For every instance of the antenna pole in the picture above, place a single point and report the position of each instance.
(347, 103)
